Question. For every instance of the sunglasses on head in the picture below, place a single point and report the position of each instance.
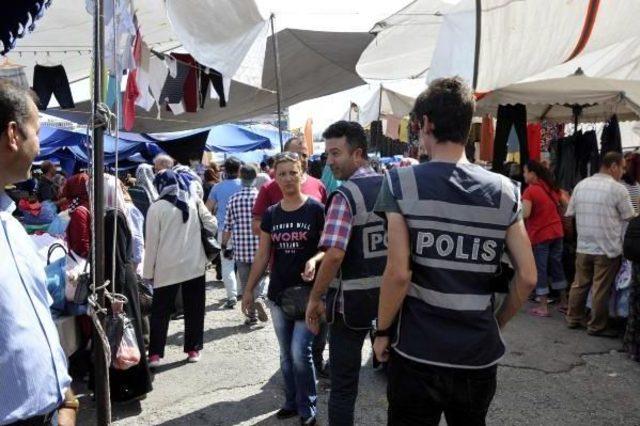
(286, 155)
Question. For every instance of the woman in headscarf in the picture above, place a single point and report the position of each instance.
(143, 193)
(175, 259)
(119, 224)
(211, 177)
(193, 180)
(79, 230)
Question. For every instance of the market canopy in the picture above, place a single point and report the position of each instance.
(553, 99)
(383, 103)
(312, 64)
(505, 42)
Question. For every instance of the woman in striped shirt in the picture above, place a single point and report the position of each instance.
(630, 180)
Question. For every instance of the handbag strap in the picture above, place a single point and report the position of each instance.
(52, 248)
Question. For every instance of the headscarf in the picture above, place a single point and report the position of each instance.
(76, 190)
(114, 194)
(174, 188)
(144, 179)
(194, 183)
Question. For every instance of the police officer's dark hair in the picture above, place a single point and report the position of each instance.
(449, 104)
(14, 104)
(352, 131)
(232, 166)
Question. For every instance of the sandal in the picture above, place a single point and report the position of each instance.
(537, 312)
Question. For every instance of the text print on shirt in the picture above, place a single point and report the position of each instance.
(290, 235)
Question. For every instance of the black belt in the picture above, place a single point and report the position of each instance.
(44, 420)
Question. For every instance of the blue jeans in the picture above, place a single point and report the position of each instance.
(296, 363)
(548, 257)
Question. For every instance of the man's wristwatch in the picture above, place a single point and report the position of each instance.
(382, 333)
(71, 402)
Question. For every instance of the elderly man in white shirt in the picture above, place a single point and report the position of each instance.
(601, 206)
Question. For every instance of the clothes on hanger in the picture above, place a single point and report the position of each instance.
(511, 124)
(130, 96)
(611, 139)
(18, 17)
(534, 140)
(564, 160)
(52, 80)
(215, 80)
(586, 151)
(550, 131)
(486, 138)
(191, 83)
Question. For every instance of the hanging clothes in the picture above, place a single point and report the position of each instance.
(565, 165)
(550, 131)
(587, 157)
(157, 75)
(611, 139)
(512, 123)
(392, 128)
(534, 140)
(52, 80)
(404, 130)
(191, 83)
(15, 74)
(130, 96)
(173, 88)
(212, 79)
(486, 138)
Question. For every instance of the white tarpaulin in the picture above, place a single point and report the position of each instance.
(383, 103)
(552, 99)
(517, 39)
(226, 35)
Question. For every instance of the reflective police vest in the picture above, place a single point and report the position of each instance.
(358, 285)
(457, 216)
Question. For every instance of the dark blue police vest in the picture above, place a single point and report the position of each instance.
(360, 274)
(457, 216)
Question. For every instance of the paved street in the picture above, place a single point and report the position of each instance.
(551, 376)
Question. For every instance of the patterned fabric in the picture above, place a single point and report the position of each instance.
(632, 334)
(238, 221)
(174, 188)
(76, 190)
(337, 225)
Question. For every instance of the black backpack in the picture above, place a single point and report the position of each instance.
(631, 244)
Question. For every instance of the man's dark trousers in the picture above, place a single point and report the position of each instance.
(345, 358)
(419, 393)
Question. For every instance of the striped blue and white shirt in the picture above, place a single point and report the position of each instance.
(33, 366)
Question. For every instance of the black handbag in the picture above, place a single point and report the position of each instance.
(209, 241)
(145, 295)
(293, 301)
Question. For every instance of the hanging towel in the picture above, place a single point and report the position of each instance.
(534, 140)
(486, 139)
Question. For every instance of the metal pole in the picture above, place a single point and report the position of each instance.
(103, 402)
(274, 41)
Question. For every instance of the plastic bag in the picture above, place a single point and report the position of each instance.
(128, 353)
(59, 224)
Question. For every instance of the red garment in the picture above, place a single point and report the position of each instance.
(79, 231)
(191, 83)
(486, 139)
(534, 140)
(131, 94)
(544, 222)
(76, 189)
(30, 207)
(271, 194)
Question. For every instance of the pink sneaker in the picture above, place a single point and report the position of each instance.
(154, 361)
(193, 356)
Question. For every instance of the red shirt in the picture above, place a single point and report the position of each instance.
(271, 194)
(544, 222)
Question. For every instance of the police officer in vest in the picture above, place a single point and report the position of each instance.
(350, 274)
(448, 224)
